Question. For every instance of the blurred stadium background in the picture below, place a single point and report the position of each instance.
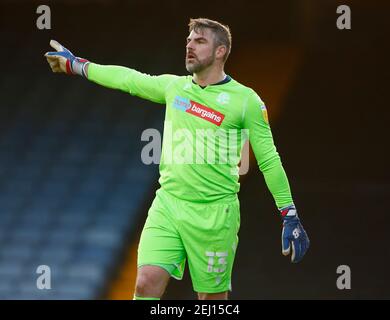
(74, 193)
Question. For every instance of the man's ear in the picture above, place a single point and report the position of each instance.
(220, 52)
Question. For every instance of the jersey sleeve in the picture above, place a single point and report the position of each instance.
(139, 84)
(255, 119)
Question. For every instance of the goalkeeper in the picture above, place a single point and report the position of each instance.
(195, 216)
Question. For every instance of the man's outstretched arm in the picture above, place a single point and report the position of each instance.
(116, 77)
(294, 237)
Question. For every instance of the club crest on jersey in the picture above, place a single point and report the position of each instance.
(187, 86)
(223, 98)
(264, 111)
(198, 110)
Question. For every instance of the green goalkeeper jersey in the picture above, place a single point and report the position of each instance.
(204, 132)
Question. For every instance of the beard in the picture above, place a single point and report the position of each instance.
(199, 65)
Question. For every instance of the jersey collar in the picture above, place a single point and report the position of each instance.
(225, 80)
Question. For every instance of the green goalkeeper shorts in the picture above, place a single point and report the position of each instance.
(204, 234)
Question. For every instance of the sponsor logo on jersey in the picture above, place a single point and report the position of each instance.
(182, 103)
(198, 110)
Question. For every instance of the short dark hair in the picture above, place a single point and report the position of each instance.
(221, 32)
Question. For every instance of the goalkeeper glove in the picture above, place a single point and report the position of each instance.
(62, 60)
(294, 237)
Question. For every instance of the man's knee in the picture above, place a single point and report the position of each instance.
(213, 296)
(151, 281)
(144, 286)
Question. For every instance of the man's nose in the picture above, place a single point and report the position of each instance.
(190, 46)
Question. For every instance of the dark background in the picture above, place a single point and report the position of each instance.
(330, 125)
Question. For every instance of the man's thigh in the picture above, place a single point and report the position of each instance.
(160, 243)
(210, 238)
